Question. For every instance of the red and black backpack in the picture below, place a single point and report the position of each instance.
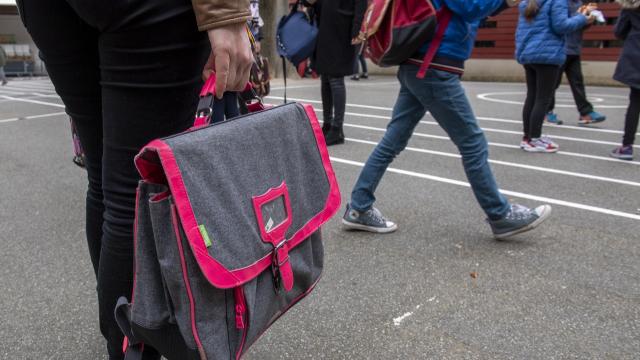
(395, 29)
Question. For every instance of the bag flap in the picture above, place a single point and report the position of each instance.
(244, 186)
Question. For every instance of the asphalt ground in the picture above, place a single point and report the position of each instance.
(568, 290)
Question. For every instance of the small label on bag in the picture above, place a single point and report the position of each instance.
(205, 235)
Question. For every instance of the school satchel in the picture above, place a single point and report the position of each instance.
(396, 29)
(227, 231)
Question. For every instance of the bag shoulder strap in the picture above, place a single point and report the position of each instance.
(444, 16)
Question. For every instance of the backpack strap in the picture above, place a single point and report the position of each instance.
(284, 75)
(444, 16)
(131, 347)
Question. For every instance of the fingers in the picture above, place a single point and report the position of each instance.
(208, 68)
(222, 73)
(232, 58)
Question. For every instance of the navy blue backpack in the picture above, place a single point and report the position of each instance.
(296, 36)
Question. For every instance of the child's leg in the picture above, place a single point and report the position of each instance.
(528, 103)
(545, 79)
(631, 120)
(573, 69)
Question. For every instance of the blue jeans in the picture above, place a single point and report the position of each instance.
(440, 93)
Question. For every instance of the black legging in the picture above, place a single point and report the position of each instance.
(541, 79)
(128, 71)
(631, 120)
(334, 99)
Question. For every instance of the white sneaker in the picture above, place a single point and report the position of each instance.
(539, 145)
(547, 140)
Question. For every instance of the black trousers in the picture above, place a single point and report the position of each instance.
(541, 79)
(128, 71)
(334, 99)
(631, 119)
(572, 68)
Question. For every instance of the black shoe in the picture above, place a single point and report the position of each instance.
(335, 136)
(326, 126)
(355, 77)
(364, 76)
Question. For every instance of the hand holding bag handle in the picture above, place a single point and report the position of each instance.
(207, 97)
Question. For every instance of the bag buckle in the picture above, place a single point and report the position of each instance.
(205, 108)
(276, 263)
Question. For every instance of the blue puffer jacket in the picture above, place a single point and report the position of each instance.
(460, 35)
(541, 40)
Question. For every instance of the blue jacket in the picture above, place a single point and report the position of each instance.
(573, 39)
(541, 40)
(460, 35)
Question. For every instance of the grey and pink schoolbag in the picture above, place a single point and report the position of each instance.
(227, 232)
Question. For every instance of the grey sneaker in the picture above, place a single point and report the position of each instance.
(518, 220)
(370, 220)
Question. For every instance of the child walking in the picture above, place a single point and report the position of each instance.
(572, 68)
(628, 72)
(440, 92)
(540, 48)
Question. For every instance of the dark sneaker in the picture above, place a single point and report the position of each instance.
(364, 76)
(518, 220)
(622, 153)
(591, 118)
(370, 220)
(355, 77)
(552, 118)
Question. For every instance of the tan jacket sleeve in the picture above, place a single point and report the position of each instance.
(211, 14)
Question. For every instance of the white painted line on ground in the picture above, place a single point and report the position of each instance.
(510, 121)
(397, 321)
(502, 145)
(11, 92)
(29, 85)
(505, 192)
(32, 101)
(508, 146)
(553, 126)
(31, 117)
(349, 84)
(501, 131)
(487, 97)
(320, 102)
(512, 164)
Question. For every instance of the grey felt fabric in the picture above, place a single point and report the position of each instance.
(223, 167)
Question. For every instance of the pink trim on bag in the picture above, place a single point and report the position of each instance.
(185, 278)
(214, 272)
(125, 341)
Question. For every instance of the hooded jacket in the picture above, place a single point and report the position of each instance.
(461, 32)
(628, 29)
(541, 40)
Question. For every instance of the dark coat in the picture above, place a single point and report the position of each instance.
(628, 29)
(339, 22)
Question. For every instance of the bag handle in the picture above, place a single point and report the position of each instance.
(444, 16)
(207, 97)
